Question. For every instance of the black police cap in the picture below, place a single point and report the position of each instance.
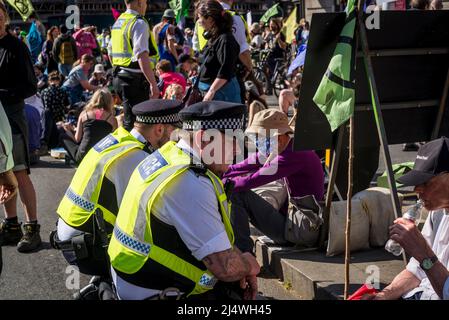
(158, 111)
(214, 115)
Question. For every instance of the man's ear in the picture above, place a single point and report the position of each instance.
(198, 139)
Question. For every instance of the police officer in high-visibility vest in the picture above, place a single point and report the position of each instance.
(241, 34)
(131, 46)
(173, 229)
(103, 175)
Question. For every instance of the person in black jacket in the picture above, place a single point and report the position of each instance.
(218, 79)
(18, 82)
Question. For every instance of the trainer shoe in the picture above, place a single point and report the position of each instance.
(31, 239)
(10, 232)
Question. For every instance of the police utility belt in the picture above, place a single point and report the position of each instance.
(80, 244)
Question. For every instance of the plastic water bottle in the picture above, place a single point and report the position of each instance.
(413, 214)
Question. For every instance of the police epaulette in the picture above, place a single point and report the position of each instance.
(199, 170)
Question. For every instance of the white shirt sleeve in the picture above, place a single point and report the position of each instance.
(195, 41)
(446, 290)
(140, 34)
(428, 234)
(190, 205)
(238, 29)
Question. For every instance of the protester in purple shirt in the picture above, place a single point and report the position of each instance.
(302, 171)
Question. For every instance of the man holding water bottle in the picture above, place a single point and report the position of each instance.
(426, 276)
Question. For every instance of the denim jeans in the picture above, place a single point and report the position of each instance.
(230, 92)
(75, 93)
(64, 69)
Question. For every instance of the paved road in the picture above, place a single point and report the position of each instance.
(42, 274)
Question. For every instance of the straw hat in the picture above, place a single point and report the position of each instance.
(270, 119)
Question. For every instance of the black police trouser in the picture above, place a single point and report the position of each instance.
(133, 88)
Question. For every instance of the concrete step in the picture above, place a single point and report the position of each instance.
(313, 276)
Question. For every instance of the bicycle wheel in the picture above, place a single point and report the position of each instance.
(278, 83)
(260, 76)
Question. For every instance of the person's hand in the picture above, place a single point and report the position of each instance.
(252, 262)
(249, 284)
(68, 127)
(8, 186)
(410, 238)
(374, 296)
(155, 93)
(209, 95)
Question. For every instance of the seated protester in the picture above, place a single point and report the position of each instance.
(287, 97)
(168, 77)
(426, 276)
(98, 78)
(173, 230)
(94, 123)
(56, 102)
(108, 166)
(34, 131)
(302, 171)
(42, 78)
(186, 65)
(174, 92)
(77, 80)
(254, 101)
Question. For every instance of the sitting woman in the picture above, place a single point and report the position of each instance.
(78, 79)
(218, 75)
(254, 101)
(95, 122)
(301, 172)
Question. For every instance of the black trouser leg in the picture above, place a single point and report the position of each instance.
(249, 207)
(133, 90)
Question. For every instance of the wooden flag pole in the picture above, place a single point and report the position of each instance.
(349, 206)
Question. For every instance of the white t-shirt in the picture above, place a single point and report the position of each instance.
(190, 205)
(238, 29)
(121, 170)
(438, 239)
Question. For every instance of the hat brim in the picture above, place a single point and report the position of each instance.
(263, 130)
(415, 178)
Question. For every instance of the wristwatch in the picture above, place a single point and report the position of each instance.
(428, 263)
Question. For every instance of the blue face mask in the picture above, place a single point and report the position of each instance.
(264, 145)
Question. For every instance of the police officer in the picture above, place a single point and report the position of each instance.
(132, 44)
(173, 228)
(101, 179)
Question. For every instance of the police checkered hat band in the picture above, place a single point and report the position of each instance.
(171, 118)
(221, 124)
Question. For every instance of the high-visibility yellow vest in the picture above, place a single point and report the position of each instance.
(82, 196)
(142, 244)
(203, 41)
(122, 51)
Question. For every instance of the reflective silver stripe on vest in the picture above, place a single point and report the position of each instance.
(79, 200)
(121, 55)
(141, 220)
(208, 281)
(131, 243)
(98, 172)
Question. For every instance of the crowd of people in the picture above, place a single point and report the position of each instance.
(114, 100)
